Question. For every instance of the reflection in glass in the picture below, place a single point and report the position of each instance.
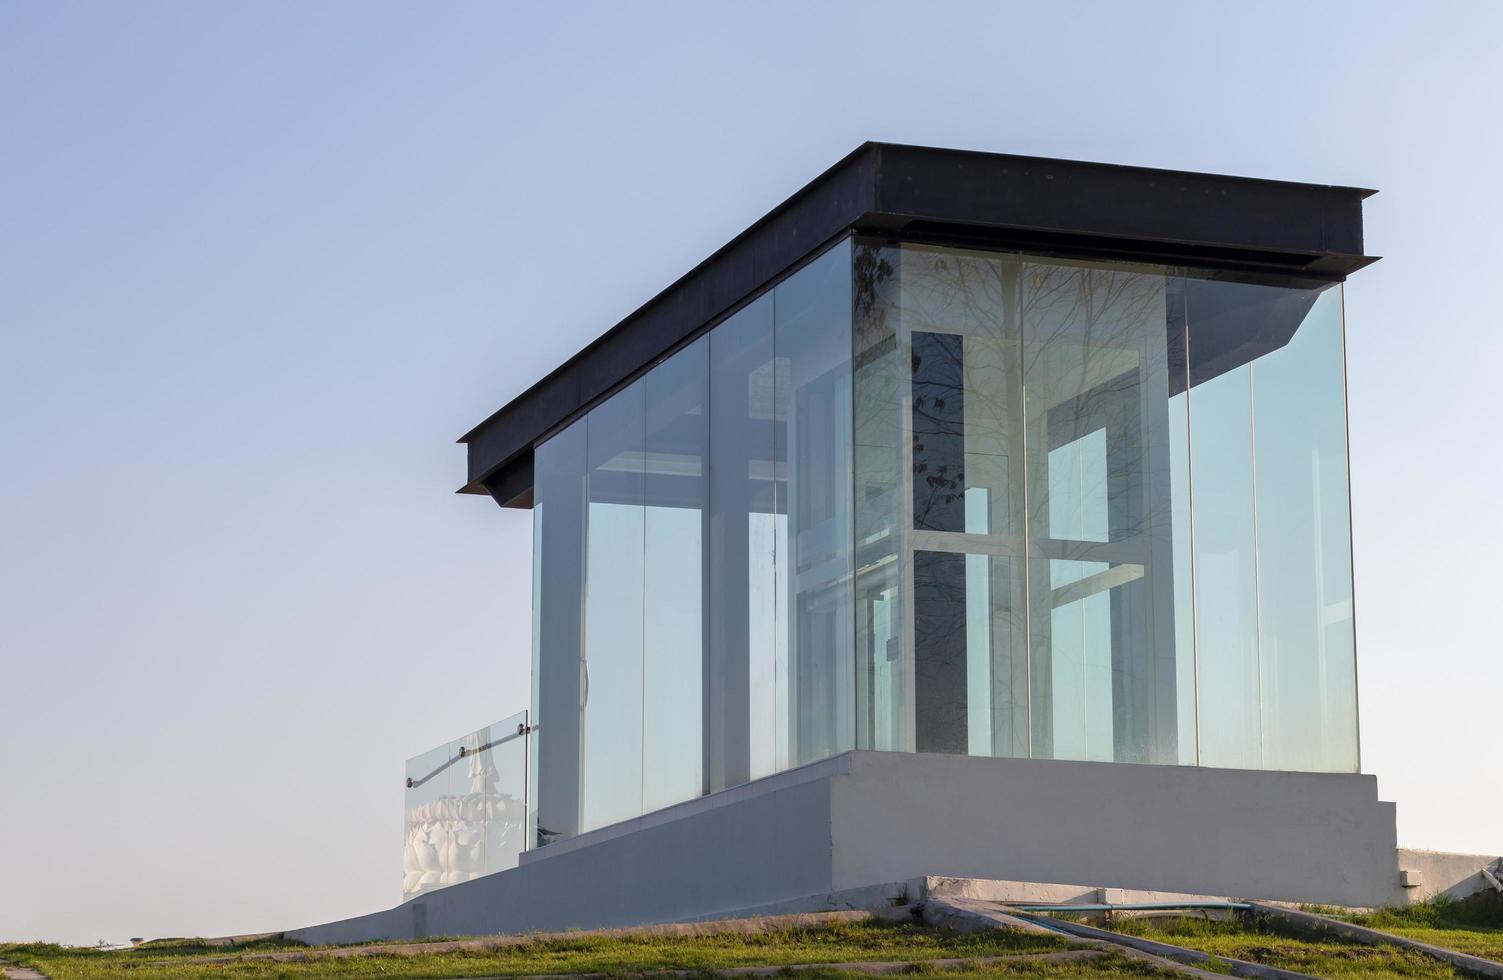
(916, 498)
(1096, 357)
(502, 771)
(611, 780)
(882, 684)
(676, 494)
(558, 517)
(742, 608)
(426, 814)
(813, 422)
(1226, 600)
(1305, 637)
(465, 808)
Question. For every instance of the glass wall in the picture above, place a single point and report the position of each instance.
(928, 499)
(1100, 513)
(1272, 527)
(698, 633)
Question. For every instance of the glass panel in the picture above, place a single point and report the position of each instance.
(428, 814)
(558, 631)
(537, 618)
(966, 396)
(883, 688)
(1098, 342)
(959, 329)
(1272, 530)
(971, 663)
(464, 856)
(465, 809)
(611, 781)
(1223, 320)
(1305, 633)
(742, 728)
(813, 413)
(677, 491)
(500, 768)
(1225, 571)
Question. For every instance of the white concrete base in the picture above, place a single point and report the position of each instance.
(840, 833)
(1425, 874)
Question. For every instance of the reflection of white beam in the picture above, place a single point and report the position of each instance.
(1129, 551)
(1336, 612)
(656, 463)
(1100, 582)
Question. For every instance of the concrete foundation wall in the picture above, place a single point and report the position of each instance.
(851, 831)
(1310, 837)
(1443, 873)
(761, 846)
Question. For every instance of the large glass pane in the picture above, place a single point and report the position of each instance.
(1098, 342)
(1305, 635)
(673, 643)
(959, 328)
(611, 781)
(1225, 570)
(813, 413)
(558, 631)
(1187, 749)
(742, 729)
(1272, 531)
(1228, 327)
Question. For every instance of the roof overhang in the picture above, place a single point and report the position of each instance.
(1272, 229)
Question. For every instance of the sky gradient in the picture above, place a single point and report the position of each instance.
(261, 265)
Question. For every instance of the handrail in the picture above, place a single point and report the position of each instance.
(464, 752)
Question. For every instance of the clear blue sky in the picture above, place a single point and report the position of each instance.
(261, 264)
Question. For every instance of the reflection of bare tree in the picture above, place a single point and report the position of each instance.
(965, 395)
(1091, 338)
(1087, 344)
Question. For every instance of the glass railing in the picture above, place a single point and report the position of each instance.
(465, 807)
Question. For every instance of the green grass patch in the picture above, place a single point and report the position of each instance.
(1473, 926)
(834, 943)
(1260, 943)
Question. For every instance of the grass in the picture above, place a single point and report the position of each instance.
(1259, 943)
(835, 943)
(1472, 926)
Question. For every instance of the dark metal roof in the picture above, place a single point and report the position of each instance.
(1272, 228)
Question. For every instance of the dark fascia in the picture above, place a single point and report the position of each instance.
(1269, 229)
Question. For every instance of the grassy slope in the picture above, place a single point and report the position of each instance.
(1258, 944)
(1474, 926)
(845, 942)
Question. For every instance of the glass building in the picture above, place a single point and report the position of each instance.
(1044, 460)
